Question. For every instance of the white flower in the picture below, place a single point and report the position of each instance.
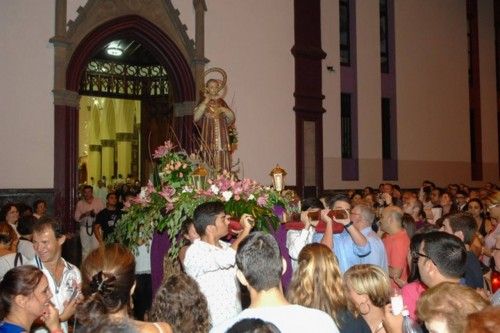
(251, 197)
(215, 190)
(142, 195)
(227, 195)
(187, 189)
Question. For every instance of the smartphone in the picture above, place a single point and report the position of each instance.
(339, 214)
(314, 215)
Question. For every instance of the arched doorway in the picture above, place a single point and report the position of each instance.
(167, 53)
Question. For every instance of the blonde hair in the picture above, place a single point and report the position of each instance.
(317, 282)
(451, 302)
(368, 280)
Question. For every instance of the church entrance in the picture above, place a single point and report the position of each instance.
(129, 106)
(126, 110)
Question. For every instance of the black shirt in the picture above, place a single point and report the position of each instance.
(107, 220)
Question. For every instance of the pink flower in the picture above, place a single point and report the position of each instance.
(262, 200)
(169, 206)
(163, 150)
(167, 192)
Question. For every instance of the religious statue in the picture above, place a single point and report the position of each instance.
(215, 118)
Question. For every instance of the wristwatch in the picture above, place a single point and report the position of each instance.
(348, 225)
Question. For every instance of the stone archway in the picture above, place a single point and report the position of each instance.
(154, 23)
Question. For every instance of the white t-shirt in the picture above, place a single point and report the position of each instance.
(295, 242)
(214, 269)
(143, 259)
(25, 247)
(8, 261)
(71, 280)
(287, 318)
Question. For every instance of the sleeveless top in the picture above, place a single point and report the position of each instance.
(10, 328)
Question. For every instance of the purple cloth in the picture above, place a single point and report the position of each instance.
(159, 247)
(280, 236)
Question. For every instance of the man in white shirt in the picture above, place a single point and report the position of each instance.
(85, 214)
(260, 266)
(211, 262)
(64, 278)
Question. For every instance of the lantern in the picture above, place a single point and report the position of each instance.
(278, 175)
(199, 177)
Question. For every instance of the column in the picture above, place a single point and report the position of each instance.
(107, 136)
(124, 122)
(94, 160)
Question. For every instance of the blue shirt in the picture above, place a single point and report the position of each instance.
(377, 255)
(10, 328)
(347, 252)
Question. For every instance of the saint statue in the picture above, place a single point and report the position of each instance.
(214, 118)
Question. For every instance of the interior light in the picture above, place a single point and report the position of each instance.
(114, 51)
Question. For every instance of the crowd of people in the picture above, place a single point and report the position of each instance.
(362, 261)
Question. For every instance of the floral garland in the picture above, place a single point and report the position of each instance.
(166, 205)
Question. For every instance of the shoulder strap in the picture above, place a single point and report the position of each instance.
(38, 262)
(19, 258)
(158, 327)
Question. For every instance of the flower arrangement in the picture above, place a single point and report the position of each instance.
(172, 201)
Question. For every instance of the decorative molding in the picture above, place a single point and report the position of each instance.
(66, 98)
(94, 12)
(60, 41)
(124, 137)
(184, 109)
(108, 143)
(97, 148)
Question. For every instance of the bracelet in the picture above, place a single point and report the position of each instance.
(348, 225)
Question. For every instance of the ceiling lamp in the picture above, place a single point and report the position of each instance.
(114, 51)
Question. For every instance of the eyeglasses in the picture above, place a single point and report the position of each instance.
(416, 255)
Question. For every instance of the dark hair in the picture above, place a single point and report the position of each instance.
(21, 280)
(465, 223)
(49, 223)
(37, 202)
(415, 242)
(259, 259)
(447, 252)
(408, 223)
(24, 209)
(5, 210)
(25, 225)
(85, 187)
(107, 325)
(253, 325)
(108, 275)
(311, 202)
(205, 215)
(110, 194)
(180, 303)
(338, 197)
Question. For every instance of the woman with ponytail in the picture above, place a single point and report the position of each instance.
(108, 281)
